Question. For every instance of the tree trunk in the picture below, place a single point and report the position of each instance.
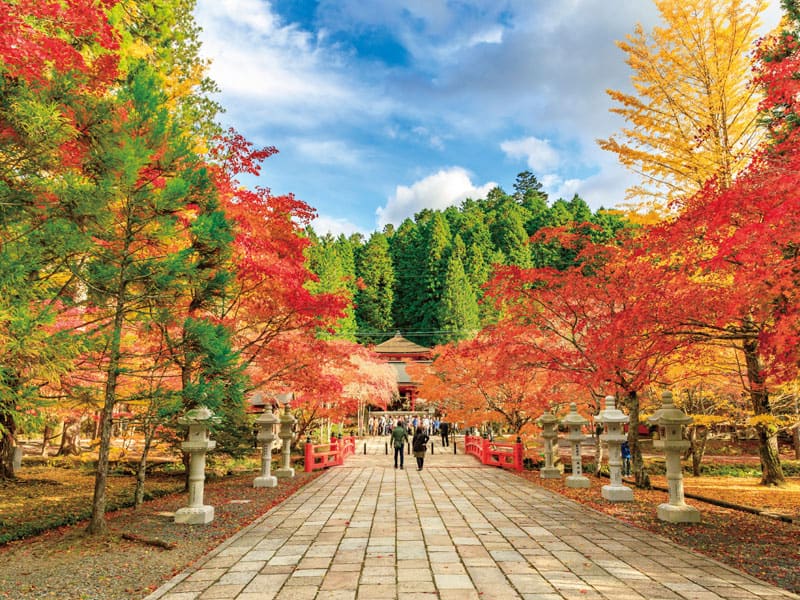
(97, 523)
(71, 439)
(598, 451)
(48, 431)
(698, 448)
(797, 442)
(8, 427)
(796, 430)
(771, 470)
(637, 462)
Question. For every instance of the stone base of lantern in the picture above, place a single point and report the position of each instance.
(195, 515)
(678, 514)
(550, 473)
(577, 481)
(617, 493)
(285, 473)
(265, 482)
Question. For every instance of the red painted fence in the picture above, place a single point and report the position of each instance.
(322, 456)
(507, 455)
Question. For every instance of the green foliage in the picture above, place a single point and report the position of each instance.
(431, 299)
(374, 301)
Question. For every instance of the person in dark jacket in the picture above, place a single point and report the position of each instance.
(419, 445)
(625, 450)
(399, 437)
(444, 429)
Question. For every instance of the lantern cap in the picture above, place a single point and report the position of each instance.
(548, 418)
(266, 418)
(573, 417)
(611, 414)
(669, 414)
(198, 415)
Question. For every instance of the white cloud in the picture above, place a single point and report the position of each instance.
(271, 72)
(447, 187)
(327, 152)
(540, 156)
(323, 224)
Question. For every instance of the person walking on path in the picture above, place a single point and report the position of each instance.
(419, 445)
(399, 438)
(444, 429)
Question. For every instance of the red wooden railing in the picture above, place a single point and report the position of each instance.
(507, 455)
(322, 456)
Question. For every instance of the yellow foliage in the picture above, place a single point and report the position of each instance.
(693, 114)
(768, 422)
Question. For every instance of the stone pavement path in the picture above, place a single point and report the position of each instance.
(456, 530)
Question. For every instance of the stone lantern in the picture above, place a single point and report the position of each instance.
(197, 445)
(613, 419)
(266, 435)
(548, 422)
(287, 422)
(672, 419)
(575, 423)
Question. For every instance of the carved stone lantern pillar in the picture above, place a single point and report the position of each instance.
(266, 435)
(613, 419)
(548, 422)
(287, 422)
(197, 445)
(575, 423)
(672, 419)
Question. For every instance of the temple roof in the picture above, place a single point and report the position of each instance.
(400, 345)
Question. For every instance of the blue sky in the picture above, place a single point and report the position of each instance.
(380, 108)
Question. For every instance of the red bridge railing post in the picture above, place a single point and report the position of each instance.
(309, 456)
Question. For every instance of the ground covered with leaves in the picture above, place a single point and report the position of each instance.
(65, 563)
(764, 547)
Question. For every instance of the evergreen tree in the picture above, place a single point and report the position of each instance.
(409, 268)
(332, 260)
(458, 308)
(374, 300)
(436, 242)
(509, 234)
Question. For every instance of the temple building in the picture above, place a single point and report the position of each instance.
(399, 352)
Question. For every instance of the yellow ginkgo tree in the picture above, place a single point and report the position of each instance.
(693, 112)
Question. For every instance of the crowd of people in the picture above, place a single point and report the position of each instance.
(419, 428)
(383, 425)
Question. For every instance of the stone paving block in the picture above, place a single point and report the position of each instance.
(251, 565)
(336, 595)
(220, 562)
(314, 563)
(207, 575)
(340, 580)
(418, 574)
(220, 591)
(377, 592)
(182, 596)
(257, 596)
(266, 583)
(345, 567)
(452, 582)
(459, 595)
(415, 586)
(237, 577)
(298, 593)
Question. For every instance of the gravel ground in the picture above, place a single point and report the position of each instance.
(65, 563)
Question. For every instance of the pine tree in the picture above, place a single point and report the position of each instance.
(458, 308)
(374, 301)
